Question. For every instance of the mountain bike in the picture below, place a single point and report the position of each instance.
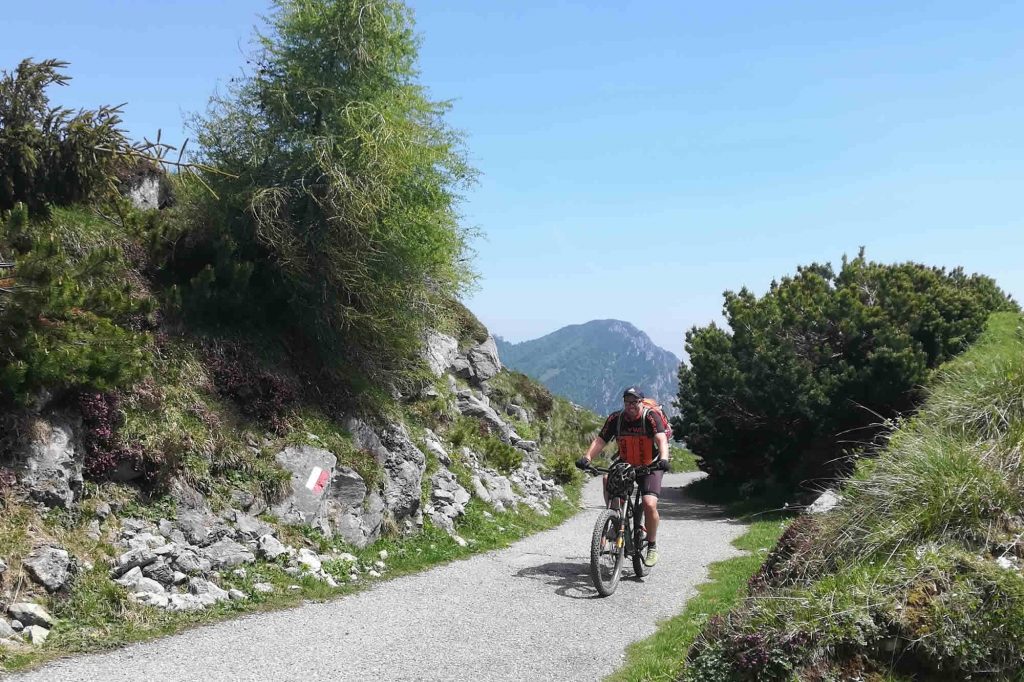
(618, 534)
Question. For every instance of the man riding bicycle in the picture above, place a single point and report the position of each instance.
(641, 439)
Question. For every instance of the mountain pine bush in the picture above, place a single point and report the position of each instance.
(813, 368)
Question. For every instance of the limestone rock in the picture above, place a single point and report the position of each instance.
(825, 502)
(49, 462)
(51, 567)
(311, 470)
(30, 614)
(439, 350)
(227, 553)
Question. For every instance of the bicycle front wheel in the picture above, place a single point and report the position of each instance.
(606, 553)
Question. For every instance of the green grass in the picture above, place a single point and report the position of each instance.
(907, 563)
(662, 656)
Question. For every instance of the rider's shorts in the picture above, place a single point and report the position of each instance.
(651, 483)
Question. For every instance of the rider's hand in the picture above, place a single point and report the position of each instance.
(662, 464)
(583, 463)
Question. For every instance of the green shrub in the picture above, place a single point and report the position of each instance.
(77, 316)
(814, 364)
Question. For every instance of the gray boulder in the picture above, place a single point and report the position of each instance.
(51, 567)
(6, 631)
(30, 614)
(270, 547)
(402, 462)
(48, 462)
(311, 470)
(227, 553)
(470, 405)
(439, 351)
(484, 360)
(827, 501)
(132, 559)
(207, 592)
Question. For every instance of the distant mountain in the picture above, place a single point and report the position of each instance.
(591, 363)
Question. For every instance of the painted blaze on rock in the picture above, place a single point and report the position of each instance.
(305, 504)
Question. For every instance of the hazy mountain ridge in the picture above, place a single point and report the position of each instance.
(591, 363)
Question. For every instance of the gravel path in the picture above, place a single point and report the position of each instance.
(526, 612)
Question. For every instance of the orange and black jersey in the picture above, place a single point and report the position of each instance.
(636, 440)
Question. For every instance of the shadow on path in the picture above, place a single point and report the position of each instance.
(570, 580)
(676, 504)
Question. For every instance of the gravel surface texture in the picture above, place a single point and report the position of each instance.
(528, 612)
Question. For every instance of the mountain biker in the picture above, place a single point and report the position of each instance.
(641, 440)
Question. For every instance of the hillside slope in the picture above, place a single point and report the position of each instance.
(592, 363)
(917, 573)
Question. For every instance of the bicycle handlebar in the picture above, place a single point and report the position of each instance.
(640, 470)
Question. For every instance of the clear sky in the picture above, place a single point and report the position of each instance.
(638, 159)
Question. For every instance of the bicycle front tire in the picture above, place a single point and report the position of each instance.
(605, 554)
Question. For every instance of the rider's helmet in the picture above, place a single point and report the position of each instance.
(620, 479)
(633, 392)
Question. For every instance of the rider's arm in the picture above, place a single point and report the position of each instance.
(662, 441)
(595, 448)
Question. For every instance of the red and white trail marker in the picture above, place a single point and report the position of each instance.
(317, 480)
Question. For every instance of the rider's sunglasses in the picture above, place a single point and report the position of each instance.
(631, 402)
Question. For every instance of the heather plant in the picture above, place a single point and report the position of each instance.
(806, 375)
(337, 189)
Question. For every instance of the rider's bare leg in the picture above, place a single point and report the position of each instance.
(651, 517)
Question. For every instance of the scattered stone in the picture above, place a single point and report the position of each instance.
(379, 565)
(16, 625)
(235, 595)
(250, 527)
(293, 571)
(147, 586)
(93, 531)
(36, 635)
(459, 540)
(30, 614)
(227, 553)
(264, 588)
(102, 510)
(179, 578)
(826, 502)
(6, 631)
(132, 558)
(3, 568)
(51, 567)
(294, 588)
(239, 573)
(160, 601)
(160, 572)
(373, 574)
(1005, 563)
(383, 554)
(270, 547)
(184, 602)
(310, 560)
(190, 562)
(130, 578)
(207, 592)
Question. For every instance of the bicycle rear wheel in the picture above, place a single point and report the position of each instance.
(606, 553)
(641, 569)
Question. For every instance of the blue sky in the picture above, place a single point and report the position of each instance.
(638, 159)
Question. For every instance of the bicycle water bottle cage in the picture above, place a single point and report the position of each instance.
(620, 479)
